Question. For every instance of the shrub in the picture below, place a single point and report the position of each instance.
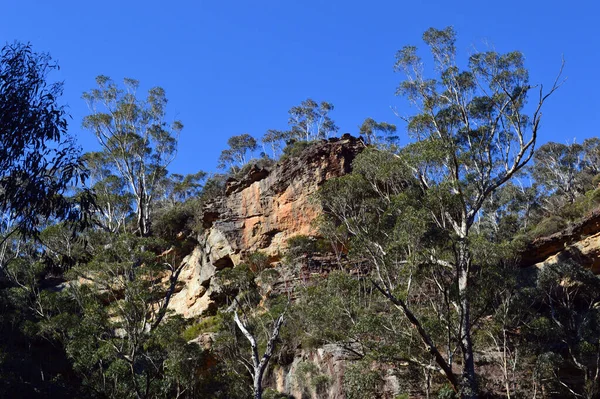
(300, 245)
(296, 148)
(309, 377)
(362, 382)
(446, 392)
(209, 324)
(548, 226)
(273, 394)
(169, 223)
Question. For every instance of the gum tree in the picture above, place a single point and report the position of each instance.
(236, 155)
(473, 131)
(411, 211)
(135, 138)
(311, 121)
(38, 159)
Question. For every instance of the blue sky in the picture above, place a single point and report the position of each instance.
(231, 67)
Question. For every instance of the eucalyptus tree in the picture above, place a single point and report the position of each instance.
(254, 316)
(308, 121)
(591, 150)
(311, 121)
(259, 363)
(274, 138)
(39, 161)
(135, 137)
(564, 329)
(236, 154)
(113, 199)
(558, 168)
(472, 132)
(377, 132)
(124, 343)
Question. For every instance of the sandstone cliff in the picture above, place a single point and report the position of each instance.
(266, 206)
(579, 242)
(260, 211)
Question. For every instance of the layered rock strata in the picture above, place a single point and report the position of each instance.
(580, 242)
(259, 212)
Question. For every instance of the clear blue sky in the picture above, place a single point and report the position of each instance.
(231, 67)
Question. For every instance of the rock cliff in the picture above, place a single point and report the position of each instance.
(266, 205)
(260, 211)
(579, 242)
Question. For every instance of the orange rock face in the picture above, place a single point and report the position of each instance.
(579, 242)
(260, 212)
(266, 207)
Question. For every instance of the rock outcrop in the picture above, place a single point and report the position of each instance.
(580, 242)
(259, 212)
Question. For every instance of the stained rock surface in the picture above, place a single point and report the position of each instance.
(580, 242)
(260, 211)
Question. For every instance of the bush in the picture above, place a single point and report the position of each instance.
(262, 163)
(300, 245)
(273, 394)
(309, 377)
(549, 226)
(446, 392)
(213, 188)
(170, 223)
(362, 382)
(295, 148)
(209, 324)
(258, 261)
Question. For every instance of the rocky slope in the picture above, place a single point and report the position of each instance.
(259, 212)
(579, 242)
(266, 206)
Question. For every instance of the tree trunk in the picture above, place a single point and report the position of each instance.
(427, 341)
(259, 366)
(469, 387)
(143, 216)
(257, 384)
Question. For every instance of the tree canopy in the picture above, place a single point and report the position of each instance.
(38, 159)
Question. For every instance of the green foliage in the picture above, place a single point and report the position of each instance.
(310, 121)
(273, 394)
(435, 224)
(38, 160)
(235, 155)
(557, 167)
(300, 245)
(213, 188)
(274, 138)
(179, 221)
(209, 324)
(114, 331)
(566, 313)
(295, 148)
(548, 226)
(360, 381)
(430, 218)
(377, 132)
(310, 378)
(258, 261)
(446, 392)
(137, 144)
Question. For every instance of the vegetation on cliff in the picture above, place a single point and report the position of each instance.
(409, 282)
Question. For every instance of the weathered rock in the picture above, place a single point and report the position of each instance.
(259, 212)
(579, 242)
(330, 361)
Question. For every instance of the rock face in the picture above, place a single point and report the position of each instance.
(580, 242)
(259, 211)
(328, 361)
